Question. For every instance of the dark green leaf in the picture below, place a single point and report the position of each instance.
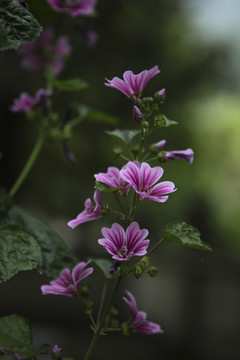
(102, 187)
(19, 251)
(95, 115)
(68, 85)
(55, 253)
(163, 121)
(103, 265)
(16, 336)
(185, 234)
(125, 135)
(17, 25)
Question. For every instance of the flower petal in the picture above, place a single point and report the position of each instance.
(131, 174)
(150, 175)
(134, 236)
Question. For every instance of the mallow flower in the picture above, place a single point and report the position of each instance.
(121, 244)
(138, 318)
(112, 179)
(142, 179)
(68, 284)
(47, 52)
(26, 103)
(90, 213)
(73, 7)
(132, 84)
(187, 154)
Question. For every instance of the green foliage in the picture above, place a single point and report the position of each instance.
(103, 265)
(19, 251)
(17, 25)
(185, 234)
(125, 135)
(104, 188)
(16, 337)
(84, 112)
(75, 84)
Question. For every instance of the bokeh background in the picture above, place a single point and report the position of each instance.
(196, 295)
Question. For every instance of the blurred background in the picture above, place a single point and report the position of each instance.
(196, 295)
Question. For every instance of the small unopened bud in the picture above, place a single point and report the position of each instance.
(160, 95)
(137, 115)
(117, 149)
(187, 154)
(160, 120)
(138, 271)
(145, 124)
(152, 271)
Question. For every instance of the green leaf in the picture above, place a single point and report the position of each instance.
(55, 252)
(75, 84)
(19, 251)
(103, 265)
(16, 336)
(185, 234)
(104, 188)
(162, 121)
(125, 135)
(17, 25)
(95, 115)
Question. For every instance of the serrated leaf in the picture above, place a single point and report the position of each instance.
(19, 251)
(162, 121)
(125, 135)
(104, 188)
(103, 265)
(17, 25)
(16, 336)
(185, 234)
(75, 84)
(55, 252)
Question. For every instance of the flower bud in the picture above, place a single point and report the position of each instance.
(56, 353)
(187, 154)
(117, 149)
(160, 95)
(137, 115)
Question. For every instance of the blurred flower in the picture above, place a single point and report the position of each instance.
(137, 115)
(112, 179)
(46, 53)
(73, 7)
(139, 322)
(26, 103)
(161, 92)
(23, 2)
(187, 154)
(65, 284)
(56, 353)
(90, 36)
(160, 144)
(69, 154)
(133, 84)
(90, 212)
(123, 245)
(143, 178)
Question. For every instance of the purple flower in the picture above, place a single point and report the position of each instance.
(65, 284)
(46, 53)
(143, 178)
(122, 245)
(137, 115)
(73, 7)
(161, 92)
(90, 36)
(112, 179)
(90, 212)
(138, 318)
(133, 84)
(56, 352)
(26, 103)
(160, 144)
(187, 154)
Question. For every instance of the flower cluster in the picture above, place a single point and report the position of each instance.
(26, 103)
(47, 53)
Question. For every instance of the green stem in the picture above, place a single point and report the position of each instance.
(119, 203)
(102, 301)
(155, 246)
(101, 323)
(32, 158)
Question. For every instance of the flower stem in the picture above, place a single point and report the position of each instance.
(32, 158)
(101, 323)
(155, 246)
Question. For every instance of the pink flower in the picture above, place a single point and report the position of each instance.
(65, 285)
(26, 103)
(138, 318)
(160, 144)
(112, 179)
(133, 84)
(123, 245)
(90, 212)
(73, 7)
(143, 178)
(137, 115)
(46, 53)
